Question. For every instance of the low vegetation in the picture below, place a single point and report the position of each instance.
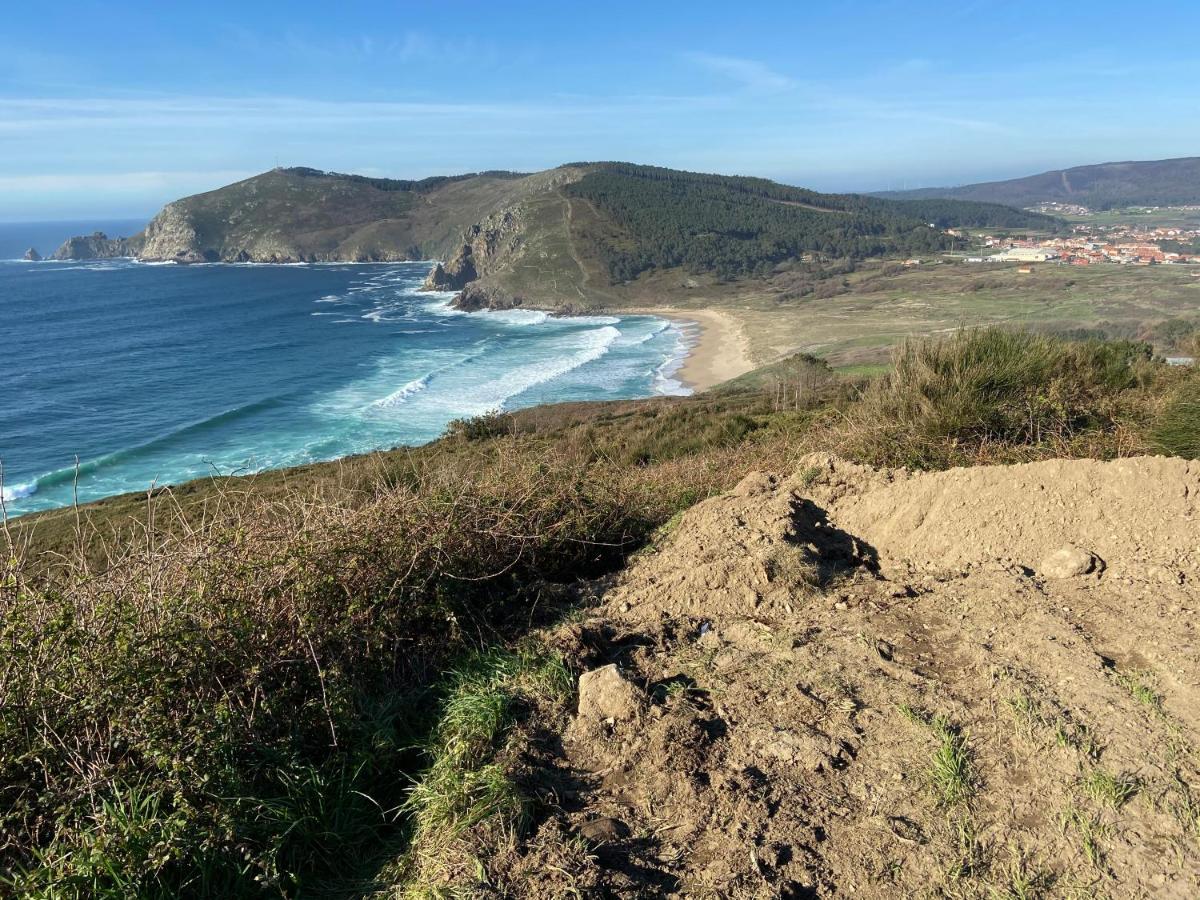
(983, 395)
(234, 687)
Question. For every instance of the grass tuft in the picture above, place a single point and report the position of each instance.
(985, 392)
(1110, 790)
(1090, 831)
(1142, 687)
(950, 772)
(1177, 430)
(466, 786)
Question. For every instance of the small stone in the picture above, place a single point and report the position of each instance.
(841, 605)
(1069, 562)
(605, 830)
(605, 693)
(804, 747)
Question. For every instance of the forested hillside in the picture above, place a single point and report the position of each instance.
(663, 218)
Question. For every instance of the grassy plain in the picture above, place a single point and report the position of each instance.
(855, 318)
(879, 306)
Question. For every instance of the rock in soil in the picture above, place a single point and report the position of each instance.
(605, 694)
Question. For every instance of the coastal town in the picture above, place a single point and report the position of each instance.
(1094, 244)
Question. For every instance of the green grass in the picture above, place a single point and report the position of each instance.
(466, 786)
(1088, 830)
(1022, 881)
(980, 388)
(1109, 790)
(1177, 430)
(950, 771)
(1142, 687)
(1041, 721)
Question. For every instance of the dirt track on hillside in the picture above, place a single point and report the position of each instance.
(793, 658)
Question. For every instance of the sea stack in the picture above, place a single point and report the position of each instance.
(31, 255)
(97, 245)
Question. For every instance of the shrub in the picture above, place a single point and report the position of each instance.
(981, 390)
(1177, 431)
(233, 703)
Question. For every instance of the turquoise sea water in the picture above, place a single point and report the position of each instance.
(156, 374)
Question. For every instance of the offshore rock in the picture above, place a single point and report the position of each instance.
(31, 255)
(97, 245)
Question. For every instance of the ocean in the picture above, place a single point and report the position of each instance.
(150, 375)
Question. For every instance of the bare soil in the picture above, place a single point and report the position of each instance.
(869, 683)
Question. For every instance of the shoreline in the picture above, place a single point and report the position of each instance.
(720, 350)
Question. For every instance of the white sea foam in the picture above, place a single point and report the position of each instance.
(664, 381)
(397, 397)
(18, 491)
(637, 340)
(441, 305)
(494, 394)
(417, 385)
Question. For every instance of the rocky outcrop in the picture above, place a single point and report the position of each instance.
(480, 295)
(97, 245)
(488, 247)
(171, 235)
(31, 255)
(453, 275)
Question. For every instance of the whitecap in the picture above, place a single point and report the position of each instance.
(397, 397)
(663, 380)
(496, 393)
(19, 491)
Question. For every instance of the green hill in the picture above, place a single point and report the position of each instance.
(305, 215)
(588, 224)
(1164, 182)
(660, 218)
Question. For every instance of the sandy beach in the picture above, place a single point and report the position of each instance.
(721, 351)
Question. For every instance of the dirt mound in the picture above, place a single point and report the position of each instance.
(981, 682)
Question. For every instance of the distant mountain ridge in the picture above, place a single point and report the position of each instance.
(554, 238)
(1164, 182)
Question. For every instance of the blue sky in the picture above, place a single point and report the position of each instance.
(112, 109)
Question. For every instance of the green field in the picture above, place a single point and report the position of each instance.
(1145, 216)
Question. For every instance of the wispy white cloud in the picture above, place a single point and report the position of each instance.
(118, 182)
(410, 46)
(750, 74)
